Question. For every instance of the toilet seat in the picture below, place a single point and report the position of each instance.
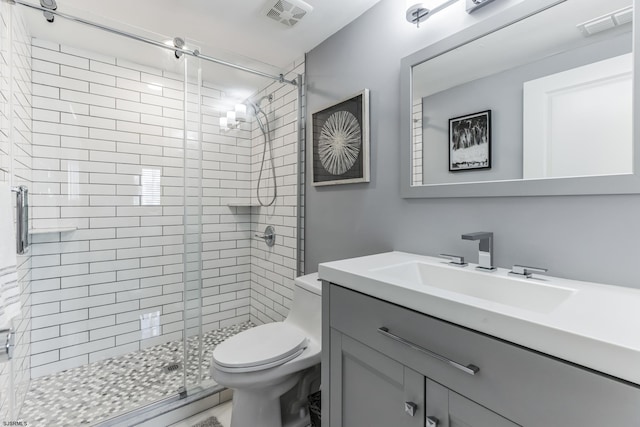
(262, 347)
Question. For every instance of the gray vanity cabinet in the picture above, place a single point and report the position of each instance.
(371, 389)
(445, 408)
(368, 375)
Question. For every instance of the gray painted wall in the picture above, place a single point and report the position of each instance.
(595, 238)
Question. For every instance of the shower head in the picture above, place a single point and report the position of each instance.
(255, 105)
(49, 4)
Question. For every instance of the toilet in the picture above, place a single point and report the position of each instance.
(263, 365)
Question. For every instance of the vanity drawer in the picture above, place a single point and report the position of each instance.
(527, 387)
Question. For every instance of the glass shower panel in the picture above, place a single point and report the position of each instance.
(15, 165)
(193, 224)
(219, 307)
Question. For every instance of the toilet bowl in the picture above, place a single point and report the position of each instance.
(264, 363)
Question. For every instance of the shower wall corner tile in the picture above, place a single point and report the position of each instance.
(273, 269)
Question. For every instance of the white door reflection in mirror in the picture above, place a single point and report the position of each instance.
(579, 122)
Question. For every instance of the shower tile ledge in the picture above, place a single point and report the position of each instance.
(52, 230)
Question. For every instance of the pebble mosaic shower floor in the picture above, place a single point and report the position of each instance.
(98, 391)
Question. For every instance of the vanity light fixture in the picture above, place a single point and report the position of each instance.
(228, 122)
(224, 124)
(233, 118)
(419, 12)
(241, 112)
(473, 5)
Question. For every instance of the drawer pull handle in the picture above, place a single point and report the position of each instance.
(410, 408)
(469, 369)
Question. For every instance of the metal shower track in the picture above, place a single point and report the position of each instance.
(195, 53)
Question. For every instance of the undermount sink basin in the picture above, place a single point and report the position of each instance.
(528, 294)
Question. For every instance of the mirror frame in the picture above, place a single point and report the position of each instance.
(587, 185)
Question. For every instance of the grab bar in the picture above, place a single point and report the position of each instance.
(22, 219)
(469, 369)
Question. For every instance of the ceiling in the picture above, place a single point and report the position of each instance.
(233, 30)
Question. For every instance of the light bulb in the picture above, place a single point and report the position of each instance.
(223, 123)
(231, 117)
(241, 112)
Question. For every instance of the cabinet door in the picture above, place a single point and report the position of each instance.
(369, 389)
(445, 408)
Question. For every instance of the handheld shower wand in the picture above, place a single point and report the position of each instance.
(264, 127)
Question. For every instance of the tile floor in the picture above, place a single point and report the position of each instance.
(222, 412)
(98, 391)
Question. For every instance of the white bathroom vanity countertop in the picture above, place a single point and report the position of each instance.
(597, 326)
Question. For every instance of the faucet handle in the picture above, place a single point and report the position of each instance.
(455, 260)
(523, 271)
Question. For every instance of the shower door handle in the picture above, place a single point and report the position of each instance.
(22, 219)
(7, 338)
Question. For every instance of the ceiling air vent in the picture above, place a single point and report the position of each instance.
(287, 12)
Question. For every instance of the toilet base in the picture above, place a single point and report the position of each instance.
(260, 406)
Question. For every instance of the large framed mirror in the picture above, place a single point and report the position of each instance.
(536, 100)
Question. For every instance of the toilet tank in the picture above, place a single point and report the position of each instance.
(306, 308)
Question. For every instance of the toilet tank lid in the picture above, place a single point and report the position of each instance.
(310, 282)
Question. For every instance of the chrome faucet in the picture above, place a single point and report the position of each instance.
(485, 255)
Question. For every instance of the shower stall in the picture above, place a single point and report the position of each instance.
(152, 162)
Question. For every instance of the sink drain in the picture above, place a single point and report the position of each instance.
(173, 367)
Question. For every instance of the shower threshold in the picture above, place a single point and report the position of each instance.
(119, 387)
(210, 396)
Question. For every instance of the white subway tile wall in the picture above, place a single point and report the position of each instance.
(273, 269)
(416, 152)
(15, 168)
(108, 159)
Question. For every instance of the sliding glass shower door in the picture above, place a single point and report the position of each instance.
(143, 207)
(117, 172)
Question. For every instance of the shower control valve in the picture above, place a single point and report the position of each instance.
(269, 236)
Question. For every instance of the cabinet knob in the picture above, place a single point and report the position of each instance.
(432, 422)
(410, 408)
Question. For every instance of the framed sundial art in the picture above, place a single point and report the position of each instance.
(340, 145)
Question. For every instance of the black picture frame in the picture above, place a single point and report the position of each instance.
(470, 142)
(339, 151)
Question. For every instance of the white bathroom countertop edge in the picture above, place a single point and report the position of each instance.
(585, 331)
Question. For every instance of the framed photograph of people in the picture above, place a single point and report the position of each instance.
(470, 142)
